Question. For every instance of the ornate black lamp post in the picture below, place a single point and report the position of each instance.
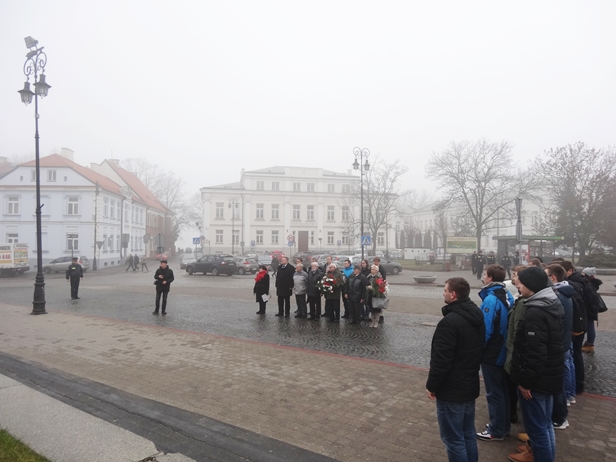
(34, 66)
(234, 203)
(360, 155)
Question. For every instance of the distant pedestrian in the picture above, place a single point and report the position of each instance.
(129, 262)
(453, 379)
(262, 288)
(144, 264)
(162, 279)
(74, 274)
(480, 262)
(274, 265)
(506, 263)
(135, 262)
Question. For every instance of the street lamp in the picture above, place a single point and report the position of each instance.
(234, 202)
(360, 155)
(36, 60)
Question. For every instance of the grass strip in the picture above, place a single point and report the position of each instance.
(13, 450)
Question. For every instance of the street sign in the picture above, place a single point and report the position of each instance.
(253, 243)
(339, 242)
(99, 244)
(196, 240)
(291, 238)
(146, 238)
(366, 240)
(160, 240)
(290, 243)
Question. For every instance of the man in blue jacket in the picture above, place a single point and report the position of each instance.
(497, 301)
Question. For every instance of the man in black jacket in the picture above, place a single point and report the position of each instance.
(74, 274)
(453, 380)
(538, 361)
(284, 287)
(162, 280)
(355, 293)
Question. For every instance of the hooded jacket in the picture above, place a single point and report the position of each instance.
(583, 287)
(497, 301)
(565, 293)
(538, 357)
(457, 350)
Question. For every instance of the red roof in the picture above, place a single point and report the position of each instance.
(138, 187)
(56, 160)
(6, 168)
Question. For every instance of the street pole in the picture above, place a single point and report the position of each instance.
(36, 60)
(361, 154)
(233, 203)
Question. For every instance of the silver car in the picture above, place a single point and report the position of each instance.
(60, 265)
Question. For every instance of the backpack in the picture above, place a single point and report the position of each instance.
(579, 314)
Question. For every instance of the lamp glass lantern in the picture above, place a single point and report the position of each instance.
(41, 86)
(26, 94)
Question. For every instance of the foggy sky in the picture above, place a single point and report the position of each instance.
(206, 88)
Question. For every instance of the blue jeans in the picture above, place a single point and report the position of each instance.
(537, 415)
(590, 332)
(456, 421)
(569, 377)
(497, 395)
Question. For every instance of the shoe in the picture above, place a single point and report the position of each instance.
(523, 437)
(562, 426)
(297, 316)
(164, 314)
(526, 456)
(572, 400)
(155, 312)
(260, 312)
(296, 312)
(381, 319)
(522, 448)
(278, 314)
(568, 403)
(485, 436)
(287, 315)
(588, 349)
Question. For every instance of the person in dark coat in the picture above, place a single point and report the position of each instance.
(262, 287)
(274, 265)
(377, 261)
(538, 360)
(284, 287)
(314, 295)
(480, 262)
(355, 293)
(365, 270)
(74, 274)
(129, 262)
(474, 262)
(162, 280)
(453, 380)
(506, 263)
(135, 262)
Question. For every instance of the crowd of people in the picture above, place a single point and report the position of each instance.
(322, 290)
(528, 346)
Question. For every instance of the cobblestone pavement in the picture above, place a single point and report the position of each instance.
(404, 338)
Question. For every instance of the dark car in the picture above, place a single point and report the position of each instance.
(214, 264)
(246, 265)
(391, 267)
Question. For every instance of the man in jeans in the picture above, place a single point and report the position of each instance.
(497, 301)
(453, 380)
(537, 363)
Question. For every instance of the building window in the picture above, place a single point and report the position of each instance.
(345, 238)
(330, 237)
(72, 241)
(275, 186)
(310, 187)
(260, 185)
(275, 210)
(310, 213)
(235, 209)
(111, 243)
(12, 238)
(296, 187)
(236, 236)
(380, 238)
(118, 246)
(32, 175)
(259, 237)
(311, 237)
(346, 188)
(220, 210)
(51, 175)
(73, 206)
(275, 237)
(106, 207)
(331, 188)
(346, 214)
(330, 213)
(112, 210)
(118, 210)
(296, 212)
(259, 211)
(13, 205)
(104, 243)
(219, 236)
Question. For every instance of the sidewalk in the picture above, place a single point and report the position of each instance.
(346, 408)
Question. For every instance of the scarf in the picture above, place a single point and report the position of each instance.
(260, 275)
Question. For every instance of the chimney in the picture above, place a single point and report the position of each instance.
(67, 153)
(115, 162)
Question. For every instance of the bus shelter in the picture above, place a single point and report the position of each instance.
(530, 246)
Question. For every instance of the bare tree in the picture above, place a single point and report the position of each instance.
(441, 225)
(580, 182)
(479, 177)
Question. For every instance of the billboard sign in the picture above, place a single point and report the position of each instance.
(461, 244)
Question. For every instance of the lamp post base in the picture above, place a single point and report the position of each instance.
(38, 305)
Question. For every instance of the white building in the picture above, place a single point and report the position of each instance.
(271, 204)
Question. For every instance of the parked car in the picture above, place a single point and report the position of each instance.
(214, 264)
(265, 260)
(161, 256)
(246, 265)
(304, 256)
(189, 258)
(60, 265)
(391, 267)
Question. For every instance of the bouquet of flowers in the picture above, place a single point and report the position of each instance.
(328, 283)
(380, 288)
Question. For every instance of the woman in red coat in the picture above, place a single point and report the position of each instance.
(262, 287)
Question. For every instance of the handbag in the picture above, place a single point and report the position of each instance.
(380, 303)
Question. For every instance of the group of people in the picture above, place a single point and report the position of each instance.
(133, 262)
(529, 349)
(354, 285)
(479, 261)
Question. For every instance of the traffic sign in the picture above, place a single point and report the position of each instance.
(339, 242)
(291, 238)
(366, 240)
(196, 240)
(290, 243)
(253, 243)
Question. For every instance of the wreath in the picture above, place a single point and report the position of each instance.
(328, 284)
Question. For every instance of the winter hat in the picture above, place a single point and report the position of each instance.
(590, 271)
(534, 278)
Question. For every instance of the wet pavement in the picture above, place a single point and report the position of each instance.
(225, 306)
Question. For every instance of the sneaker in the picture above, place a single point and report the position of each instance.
(523, 437)
(562, 426)
(588, 348)
(568, 403)
(571, 400)
(485, 436)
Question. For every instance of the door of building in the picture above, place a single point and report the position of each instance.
(302, 241)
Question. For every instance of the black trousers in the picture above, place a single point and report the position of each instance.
(347, 306)
(262, 306)
(332, 308)
(315, 306)
(284, 305)
(357, 309)
(75, 286)
(164, 293)
(508, 269)
(479, 271)
(578, 362)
